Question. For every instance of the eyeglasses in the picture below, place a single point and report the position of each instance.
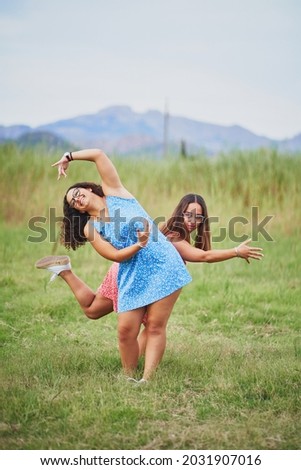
(193, 215)
(75, 195)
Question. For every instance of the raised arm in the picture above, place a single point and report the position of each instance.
(195, 255)
(110, 180)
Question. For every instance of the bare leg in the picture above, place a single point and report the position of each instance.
(142, 342)
(93, 305)
(158, 315)
(128, 329)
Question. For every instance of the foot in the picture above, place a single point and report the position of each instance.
(131, 379)
(142, 381)
(54, 264)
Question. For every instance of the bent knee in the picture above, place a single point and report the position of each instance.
(93, 314)
(126, 333)
(155, 329)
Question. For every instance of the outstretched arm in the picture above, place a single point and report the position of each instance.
(111, 183)
(195, 255)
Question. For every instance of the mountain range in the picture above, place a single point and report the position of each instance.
(120, 130)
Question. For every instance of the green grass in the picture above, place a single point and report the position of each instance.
(231, 374)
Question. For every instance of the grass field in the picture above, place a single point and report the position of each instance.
(231, 374)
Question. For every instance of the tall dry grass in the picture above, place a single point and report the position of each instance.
(231, 184)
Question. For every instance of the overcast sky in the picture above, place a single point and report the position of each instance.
(220, 61)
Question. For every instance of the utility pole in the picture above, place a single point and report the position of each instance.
(166, 125)
(183, 151)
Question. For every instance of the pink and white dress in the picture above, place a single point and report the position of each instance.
(109, 288)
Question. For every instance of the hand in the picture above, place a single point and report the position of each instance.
(143, 236)
(245, 251)
(174, 236)
(62, 165)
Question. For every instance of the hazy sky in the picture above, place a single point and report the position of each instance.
(220, 61)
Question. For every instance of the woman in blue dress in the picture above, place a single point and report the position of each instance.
(111, 219)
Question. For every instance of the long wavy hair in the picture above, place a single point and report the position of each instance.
(175, 224)
(74, 221)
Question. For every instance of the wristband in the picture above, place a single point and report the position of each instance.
(68, 155)
(141, 246)
(236, 251)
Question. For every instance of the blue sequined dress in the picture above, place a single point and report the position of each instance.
(156, 270)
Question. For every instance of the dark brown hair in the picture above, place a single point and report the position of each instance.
(74, 221)
(175, 224)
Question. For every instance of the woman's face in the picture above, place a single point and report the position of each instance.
(193, 216)
(79, 198)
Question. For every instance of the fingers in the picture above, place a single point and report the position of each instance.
(143, 236)
(146, 225)
(257, 252)
(256, 256)
(252, 252)
(146, 228)
(251, 248)
(62, 166)
(246, 241)
(61, 172)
